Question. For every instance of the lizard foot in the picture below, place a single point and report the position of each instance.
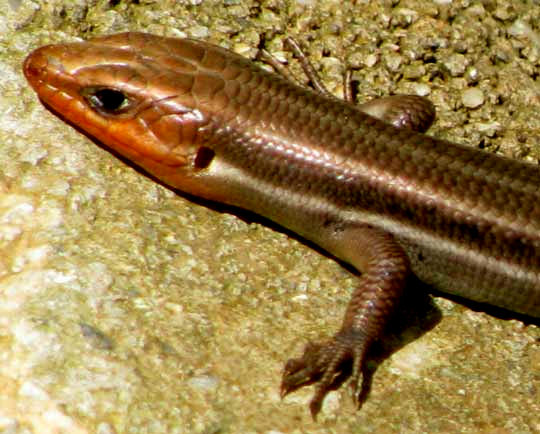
(328, 364)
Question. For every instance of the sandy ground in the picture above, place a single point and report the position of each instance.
(126, 308)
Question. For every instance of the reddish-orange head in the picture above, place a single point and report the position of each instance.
(140, 95)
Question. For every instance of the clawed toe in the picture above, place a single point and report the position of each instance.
(328, 365)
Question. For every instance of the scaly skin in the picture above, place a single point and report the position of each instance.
(389, 201)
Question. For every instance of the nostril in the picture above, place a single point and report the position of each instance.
(34, 66)
(203, 158)
(42, 62)
(29, 67)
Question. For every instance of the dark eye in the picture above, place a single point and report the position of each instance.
(106, 100)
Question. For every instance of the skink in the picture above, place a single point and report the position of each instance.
(389, 201)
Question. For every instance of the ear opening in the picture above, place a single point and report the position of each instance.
(203, 158)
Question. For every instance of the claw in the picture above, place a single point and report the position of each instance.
(305, 370)
(315, 404)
